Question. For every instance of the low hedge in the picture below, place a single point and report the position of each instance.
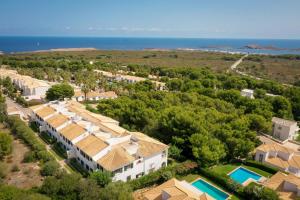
(252, 191)
(261, 166)
(163, 174)
(225, 181)
(22, 131)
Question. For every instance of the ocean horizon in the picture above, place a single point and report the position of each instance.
(16, 44)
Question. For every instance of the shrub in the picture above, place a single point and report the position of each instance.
(25, 133)
(224, 181)
(5, 144)
(29, 157)
(3, 170)
(15, 168)
(50, 168)
(260, 166)
(102, 178)
(117, 190)
(258, 192)
(160, 175)
(167, 175)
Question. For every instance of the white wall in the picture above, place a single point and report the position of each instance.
(287, 186)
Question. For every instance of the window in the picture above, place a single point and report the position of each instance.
(128, 167)
(261, 157)
(118, 171)
(279, 127)
(128, 178)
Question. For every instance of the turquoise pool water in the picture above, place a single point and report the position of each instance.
(210, 189)
(241, 175)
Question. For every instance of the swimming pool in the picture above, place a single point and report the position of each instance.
(214, 192)
(241, 175)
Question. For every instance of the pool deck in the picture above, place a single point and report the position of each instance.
(229, 195)
(249, 180)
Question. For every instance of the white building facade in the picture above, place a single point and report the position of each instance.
(284, 129)
(98, 142)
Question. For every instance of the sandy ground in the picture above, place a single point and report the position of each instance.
(28, 175)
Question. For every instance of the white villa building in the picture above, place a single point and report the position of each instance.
(286, 185)
(31, 88)
(173, 189)
(129, 79)
(248, 93)
(98, 142)
(284, 129)
(93, 95)
(279, 156)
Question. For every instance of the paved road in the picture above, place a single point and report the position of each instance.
(12, 105)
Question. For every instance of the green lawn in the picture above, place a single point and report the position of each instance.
(259, 171)
(225, 169)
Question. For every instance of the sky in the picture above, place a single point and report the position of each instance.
(152, 18)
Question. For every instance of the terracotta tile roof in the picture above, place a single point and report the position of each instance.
(294, 161)
(72, 131)
(80, 110)
(91, 145)
(283, 122)
(108, 94)
(274, 147)
(175, 189)
(147, 145)
(57, 120)
(45, 111)
(276, 183)
(116, 158)
(276, 161)
(35, 107)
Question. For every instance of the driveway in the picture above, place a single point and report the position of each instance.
(15, 108)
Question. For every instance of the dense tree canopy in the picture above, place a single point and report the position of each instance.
(60, 91)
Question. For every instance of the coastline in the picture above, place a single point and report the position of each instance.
(67, 49)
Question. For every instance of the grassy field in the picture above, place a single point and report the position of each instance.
(216, 61)
(271, 67)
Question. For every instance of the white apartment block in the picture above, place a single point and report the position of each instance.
(98, 142)
(280, 157)
(284, 129)
(31, 88)
(129, 79)
(93, 95)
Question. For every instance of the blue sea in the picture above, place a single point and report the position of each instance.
(13, 44)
